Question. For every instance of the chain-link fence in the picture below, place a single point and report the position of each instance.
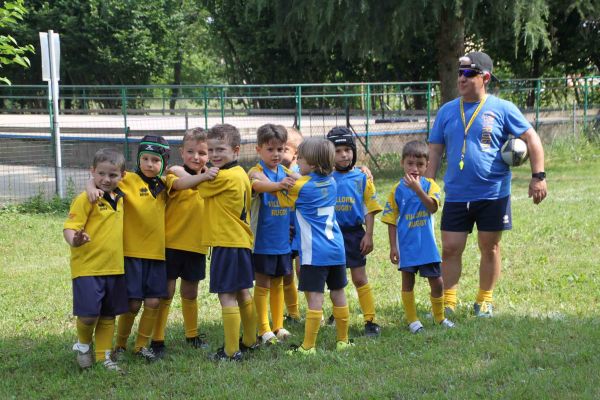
(383, 116)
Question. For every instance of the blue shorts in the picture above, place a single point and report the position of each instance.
(146, 279)
(489, 215)
(352, 237)
(230, 269)
(313, 278)
(95, 296)
(432, 270)
(273, 265)
(186, 265)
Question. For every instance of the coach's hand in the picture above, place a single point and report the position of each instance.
(538, 190)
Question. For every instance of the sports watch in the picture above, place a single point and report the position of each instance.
(539, 175)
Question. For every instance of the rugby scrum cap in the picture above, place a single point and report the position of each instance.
(156, 145)
(479, 60)
(342, 136)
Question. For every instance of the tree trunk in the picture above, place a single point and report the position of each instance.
(176, 76)
(450, 46)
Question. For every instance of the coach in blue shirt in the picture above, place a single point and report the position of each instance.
(471, 130)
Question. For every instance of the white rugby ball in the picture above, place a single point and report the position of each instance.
(514, 152)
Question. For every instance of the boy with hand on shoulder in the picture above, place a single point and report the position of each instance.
(408, 213)
(356, 205)
(95, 234)
(322, 254)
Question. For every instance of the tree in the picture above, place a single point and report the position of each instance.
(11, 12)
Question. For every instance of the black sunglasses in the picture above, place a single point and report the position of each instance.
(469, 73)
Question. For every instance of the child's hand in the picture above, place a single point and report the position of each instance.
(412, 182)
(94, 195)
(211, 173)
(177, 170)
(366, 245)
(80, 238)
(286, 183)
(394, 255)
(365, 170)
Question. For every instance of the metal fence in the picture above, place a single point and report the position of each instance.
(383, 115)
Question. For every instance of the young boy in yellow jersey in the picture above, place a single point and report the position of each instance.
(270, 224)
(144, 239)
(185, 254)
(95, 234)
(227, 230)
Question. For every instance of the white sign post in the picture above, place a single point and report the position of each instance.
(50, 46)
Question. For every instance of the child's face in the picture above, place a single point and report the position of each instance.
(305, 169)
(343, 156)
(150, 164)
(289, 155)
(106, 176)
(194, 154)
(271, 153)
(414, 166)
(221, 153)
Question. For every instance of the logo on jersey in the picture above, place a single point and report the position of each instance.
(144, 192)
(486, 131)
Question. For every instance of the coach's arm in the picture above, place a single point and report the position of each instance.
(537, 188)
(435, 157)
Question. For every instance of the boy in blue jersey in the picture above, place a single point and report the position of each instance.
(408, 213)
(270, 225)
(321, 250)
(356, 204)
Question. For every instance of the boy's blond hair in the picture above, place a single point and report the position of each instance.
(195, 134)
(226, 132)
(318, 153)
(109, 155)
(415, 148)
(294, 138)
(269, 132)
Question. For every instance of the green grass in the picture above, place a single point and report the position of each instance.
(543, 342)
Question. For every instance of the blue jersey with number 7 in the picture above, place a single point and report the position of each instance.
(321, 240)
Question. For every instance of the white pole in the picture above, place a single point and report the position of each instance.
(58, 174)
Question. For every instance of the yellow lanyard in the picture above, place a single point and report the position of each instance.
(461, 164)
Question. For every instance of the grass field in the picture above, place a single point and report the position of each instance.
(543, 342)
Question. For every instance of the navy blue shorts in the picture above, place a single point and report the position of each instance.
(432, 270)
(230, 269)
(95, 296)
(146, 279)
(489, 215)
(273, 265)
(352, 238)
(313, 278)
(186, 265)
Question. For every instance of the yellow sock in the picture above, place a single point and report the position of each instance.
(231, 328)
(145, 327)
(437, 308)
(261, 295)
(367, 302)
(450, 298)
(277, 302)
(124, 328)
(189, 309)
(484, 296)
(160, 325)
(410, 309)
(248, 317)
(311, 328)
(105, 330)
(341, 315)
(290, 296)
(84, 332)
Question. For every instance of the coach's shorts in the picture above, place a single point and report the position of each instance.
(431, 270)
(489, 215)
(95, 296)
(146, 279)
(230, 269)
(273, 265)
(352, 238)
(313, 278)
(186, 265)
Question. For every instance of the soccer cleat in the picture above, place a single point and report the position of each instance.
(483, 310)
(446, 323)
(245, 349)
(158, 348)
(288, 319)
(416, 327)
(340, 345)
(220, 355)
(118, 354)
(85, 356)
(198, 342)
(294, 350)
(146, 354)
(330, 321)
(110, 364)
(268, 338)
(282, 334)
(372, 329)
(448, 311)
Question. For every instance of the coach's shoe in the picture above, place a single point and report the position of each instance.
(446, 323)
(483, 310)
(85, 356)
(340, 345)
(268, 338)
(299, 350)
(416, 327)
(282, 334)
(111, 364)
(220, 355)
(158, 348)
(372, 329)
(198, 342)
(146, 354)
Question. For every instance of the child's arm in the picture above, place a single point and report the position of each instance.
(365, 170)
(366, 244)
(262, 184)
(189, 181)
(394, 257)
(415, 185)
(76, 238)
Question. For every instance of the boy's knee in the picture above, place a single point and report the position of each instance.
(151, 303)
